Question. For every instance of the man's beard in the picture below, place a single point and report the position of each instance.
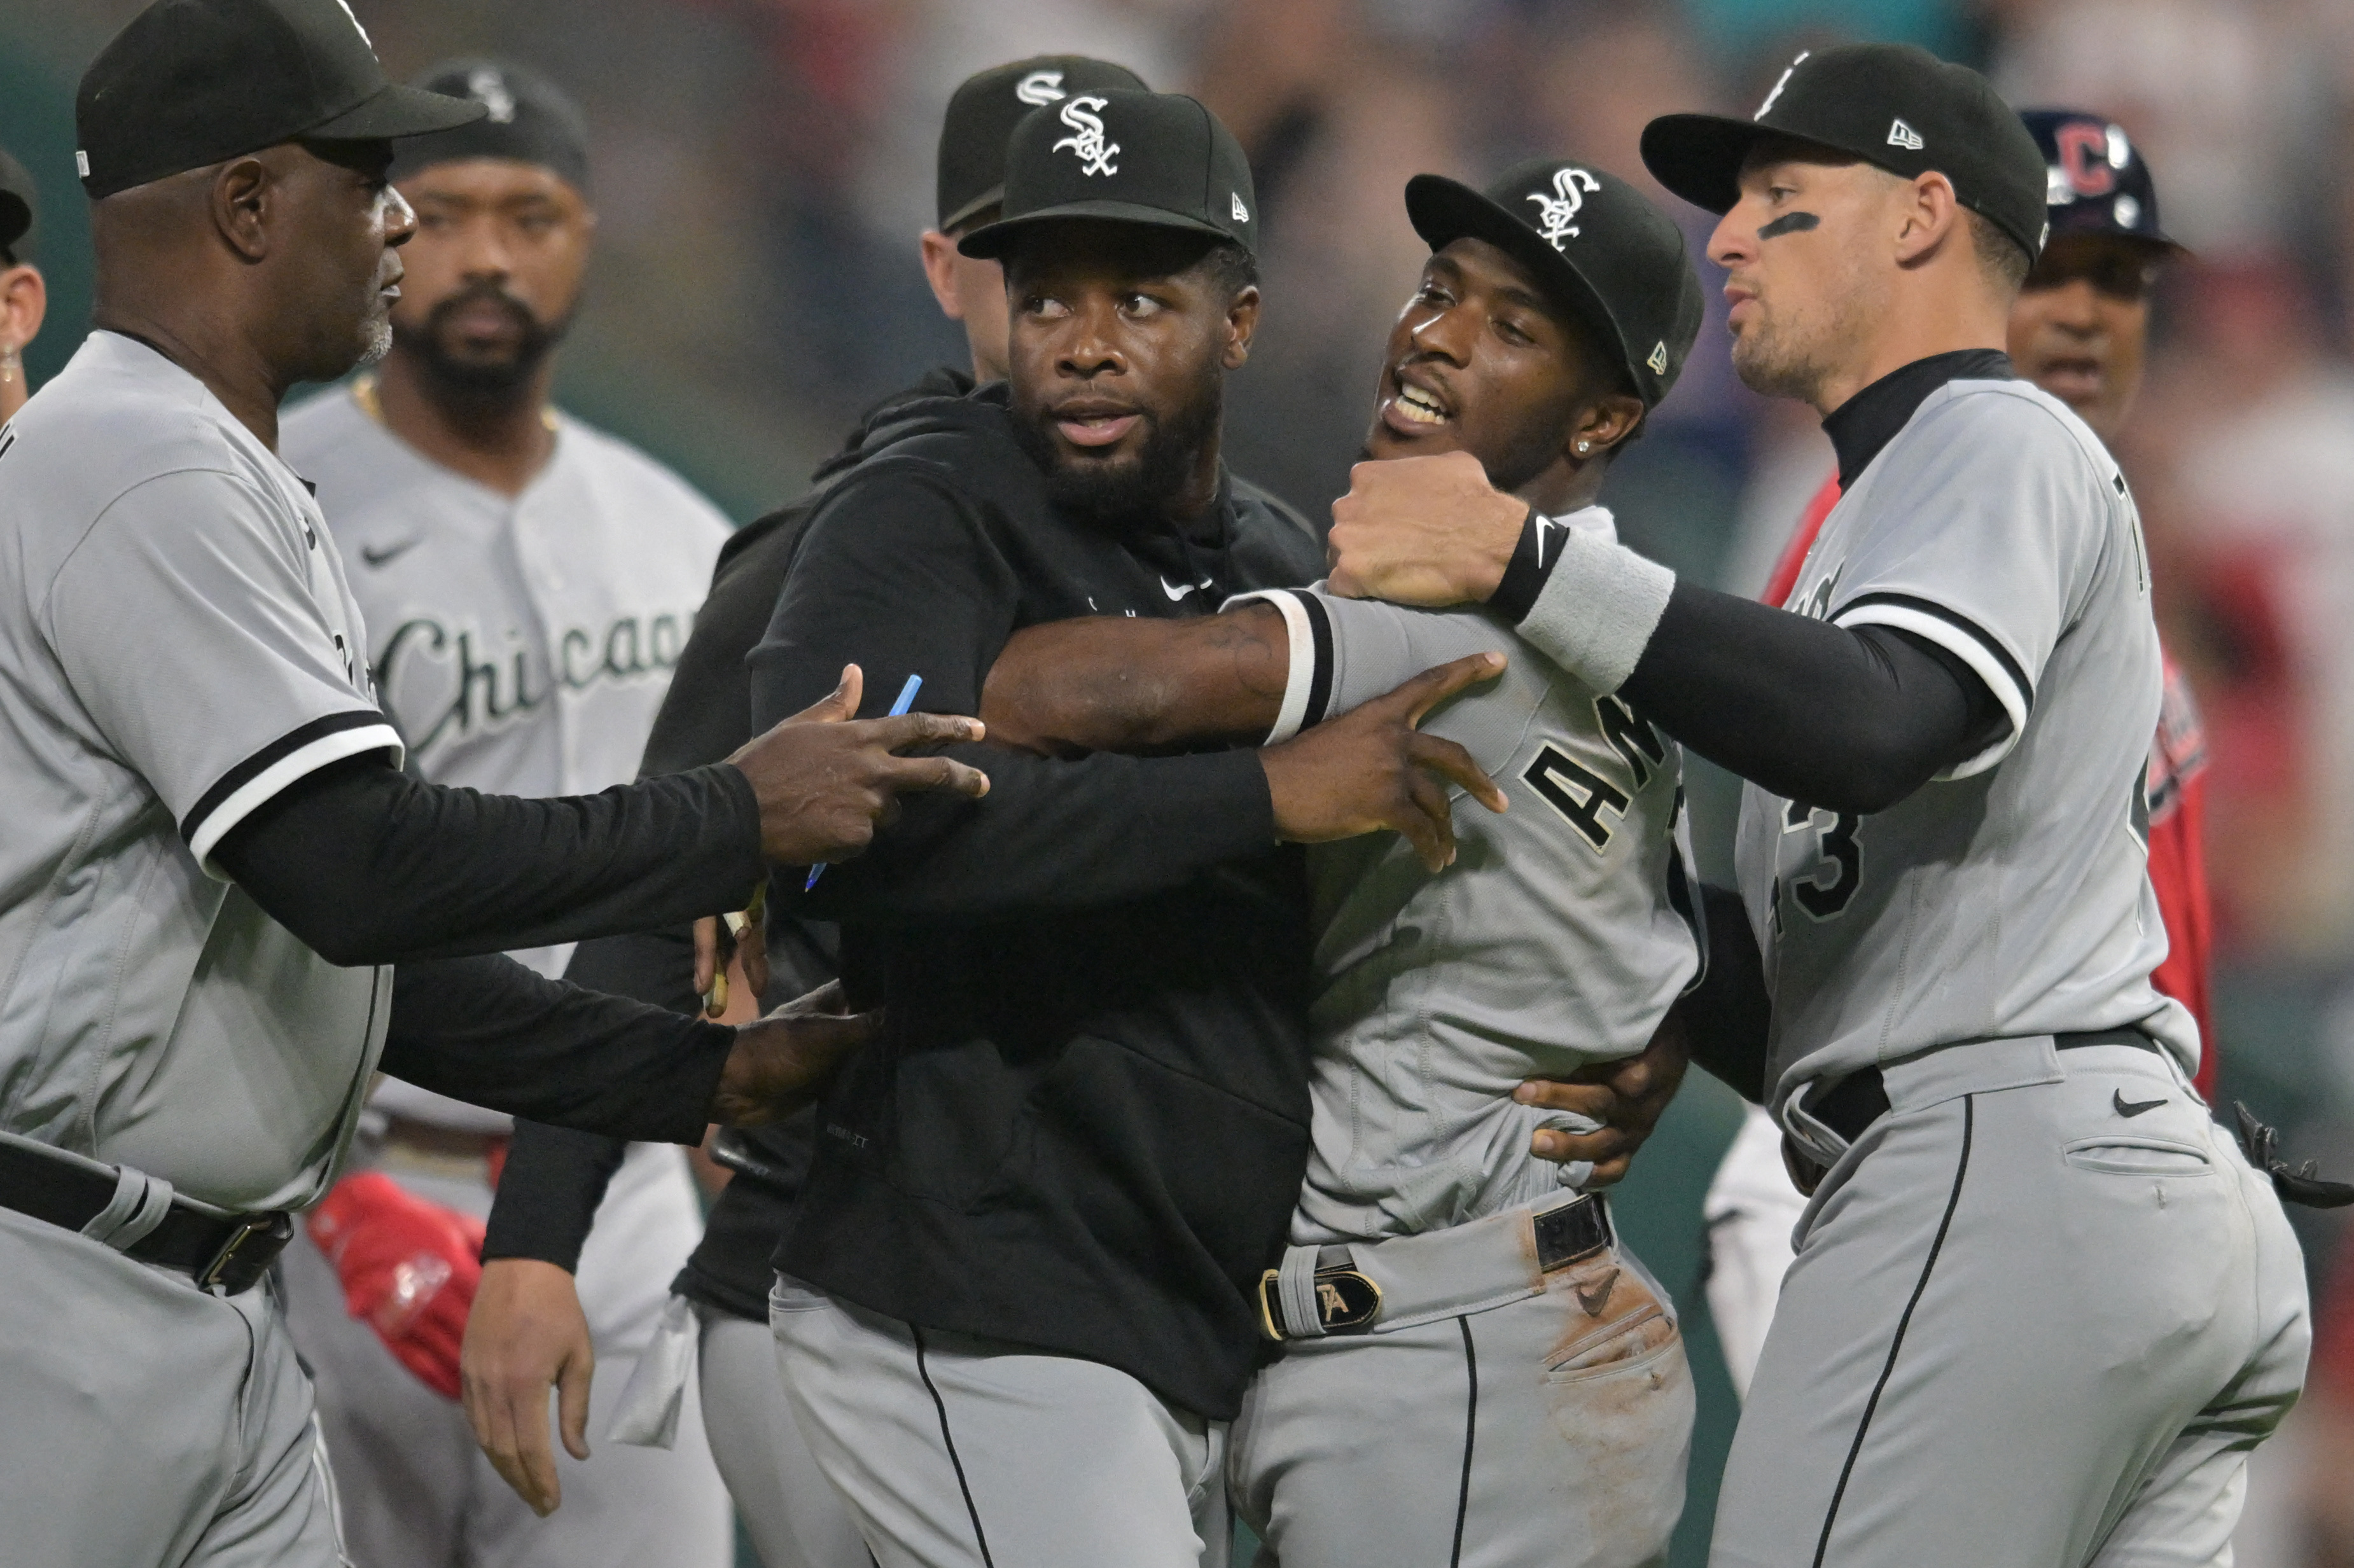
(375, 340)
(429, 344)
(1772, 368)
(1120, 488)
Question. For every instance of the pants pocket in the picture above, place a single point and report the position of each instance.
(2144, 1156)
(1615, 1322)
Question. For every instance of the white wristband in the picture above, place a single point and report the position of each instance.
(1597, 610)
(1299, 678)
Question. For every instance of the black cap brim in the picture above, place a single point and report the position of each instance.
(993, 196)
(397, 112)
(16, 218)
(990, 241)
(1699, 156)
(1443, 211)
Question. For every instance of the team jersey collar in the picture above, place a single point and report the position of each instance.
(1868, 421)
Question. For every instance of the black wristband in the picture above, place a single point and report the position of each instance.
(1525, 573)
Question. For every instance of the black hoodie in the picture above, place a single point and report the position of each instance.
(1085, 1126)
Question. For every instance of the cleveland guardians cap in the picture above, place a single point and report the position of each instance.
(525, 117)
(192, 82)
(1593, 243)
(987, 107)
(2096, 180)
(1892, 105)
(1154, 158)
(19, 207)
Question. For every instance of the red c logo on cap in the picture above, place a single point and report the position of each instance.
(2085, 159)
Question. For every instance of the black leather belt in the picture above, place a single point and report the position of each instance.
(1860, 1098)
(231, 1253)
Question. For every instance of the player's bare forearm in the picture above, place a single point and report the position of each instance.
(1113, 683)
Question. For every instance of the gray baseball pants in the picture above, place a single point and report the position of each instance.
(1495, 1416)
(2040, 1312)
(149, 1423)
(791, 1511)
(955, 1451)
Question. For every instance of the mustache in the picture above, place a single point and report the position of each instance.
(484, 294)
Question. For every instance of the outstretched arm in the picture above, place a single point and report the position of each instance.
(1144, 688)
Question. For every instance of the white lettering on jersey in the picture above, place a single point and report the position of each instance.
(1090, 144)
(488, 691)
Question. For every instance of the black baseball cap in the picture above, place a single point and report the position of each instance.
(2095, 179)
(984, 111)
(1593, 243)
(1159, 159)
(192, 82)
(19, 207)
(525, 117)
(1892, 105)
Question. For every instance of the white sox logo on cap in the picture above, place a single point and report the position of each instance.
(1089, 146)
(1557, 213)
(1040, 87)
(486, 86)
(1902, 136)
(1780, 82)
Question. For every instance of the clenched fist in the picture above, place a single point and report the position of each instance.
(1423, 530)
(824, 777)
(781, 1062)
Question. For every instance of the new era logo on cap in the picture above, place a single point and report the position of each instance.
(1039, 88)
(1658, 359)
(1242, 213)
(1902, 136)
(1088, 143)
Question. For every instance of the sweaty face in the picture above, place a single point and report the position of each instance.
(2081, 327)
(1118, 346)
(1481, 361)
(495, 270)
(345, 225)
(1795, 249)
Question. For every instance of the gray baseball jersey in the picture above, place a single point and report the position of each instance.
(179, 644)
(2011, 896)
(1559, 937)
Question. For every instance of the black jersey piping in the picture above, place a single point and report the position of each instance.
(269, 756)
(1953, 1201)
(1470, 1430)
(924, 1371)
(1320, 680)
(1959, 622)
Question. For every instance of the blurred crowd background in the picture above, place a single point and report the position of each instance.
(763, 167)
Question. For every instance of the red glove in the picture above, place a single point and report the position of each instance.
(408, 1269)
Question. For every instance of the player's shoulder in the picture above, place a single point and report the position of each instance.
(118, 418)
(654, 489)
(2014, 421)
(1272, 528)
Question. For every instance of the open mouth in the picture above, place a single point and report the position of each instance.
(1413, 410)
(1087, 426)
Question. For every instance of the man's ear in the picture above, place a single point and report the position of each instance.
(24, 302)
(1929, 216)
(1241, 326)
(245, 195)
(940, 253)
(1606, 422)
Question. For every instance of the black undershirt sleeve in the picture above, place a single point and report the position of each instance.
(1728, 1012)
(367, 866)
(488, 1031)
(1846, 720)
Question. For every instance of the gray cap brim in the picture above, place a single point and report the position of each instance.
(397, 112)
(990, 241)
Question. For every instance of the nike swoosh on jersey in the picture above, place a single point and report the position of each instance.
(1178, 590)
(379, 560)
(2127, 1108)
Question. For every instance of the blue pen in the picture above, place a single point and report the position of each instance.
(907, 700)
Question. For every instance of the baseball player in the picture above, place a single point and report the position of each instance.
(212, 857)
(529, 581)
(23, 298)
(1470, 1370)
(2042, 1307)
(526, 1333)
(2079, 330)
(1016, 1298)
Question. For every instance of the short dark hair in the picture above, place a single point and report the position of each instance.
(2003, 260)
(1234, 267)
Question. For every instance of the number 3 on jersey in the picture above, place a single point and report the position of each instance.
(1825, 892)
